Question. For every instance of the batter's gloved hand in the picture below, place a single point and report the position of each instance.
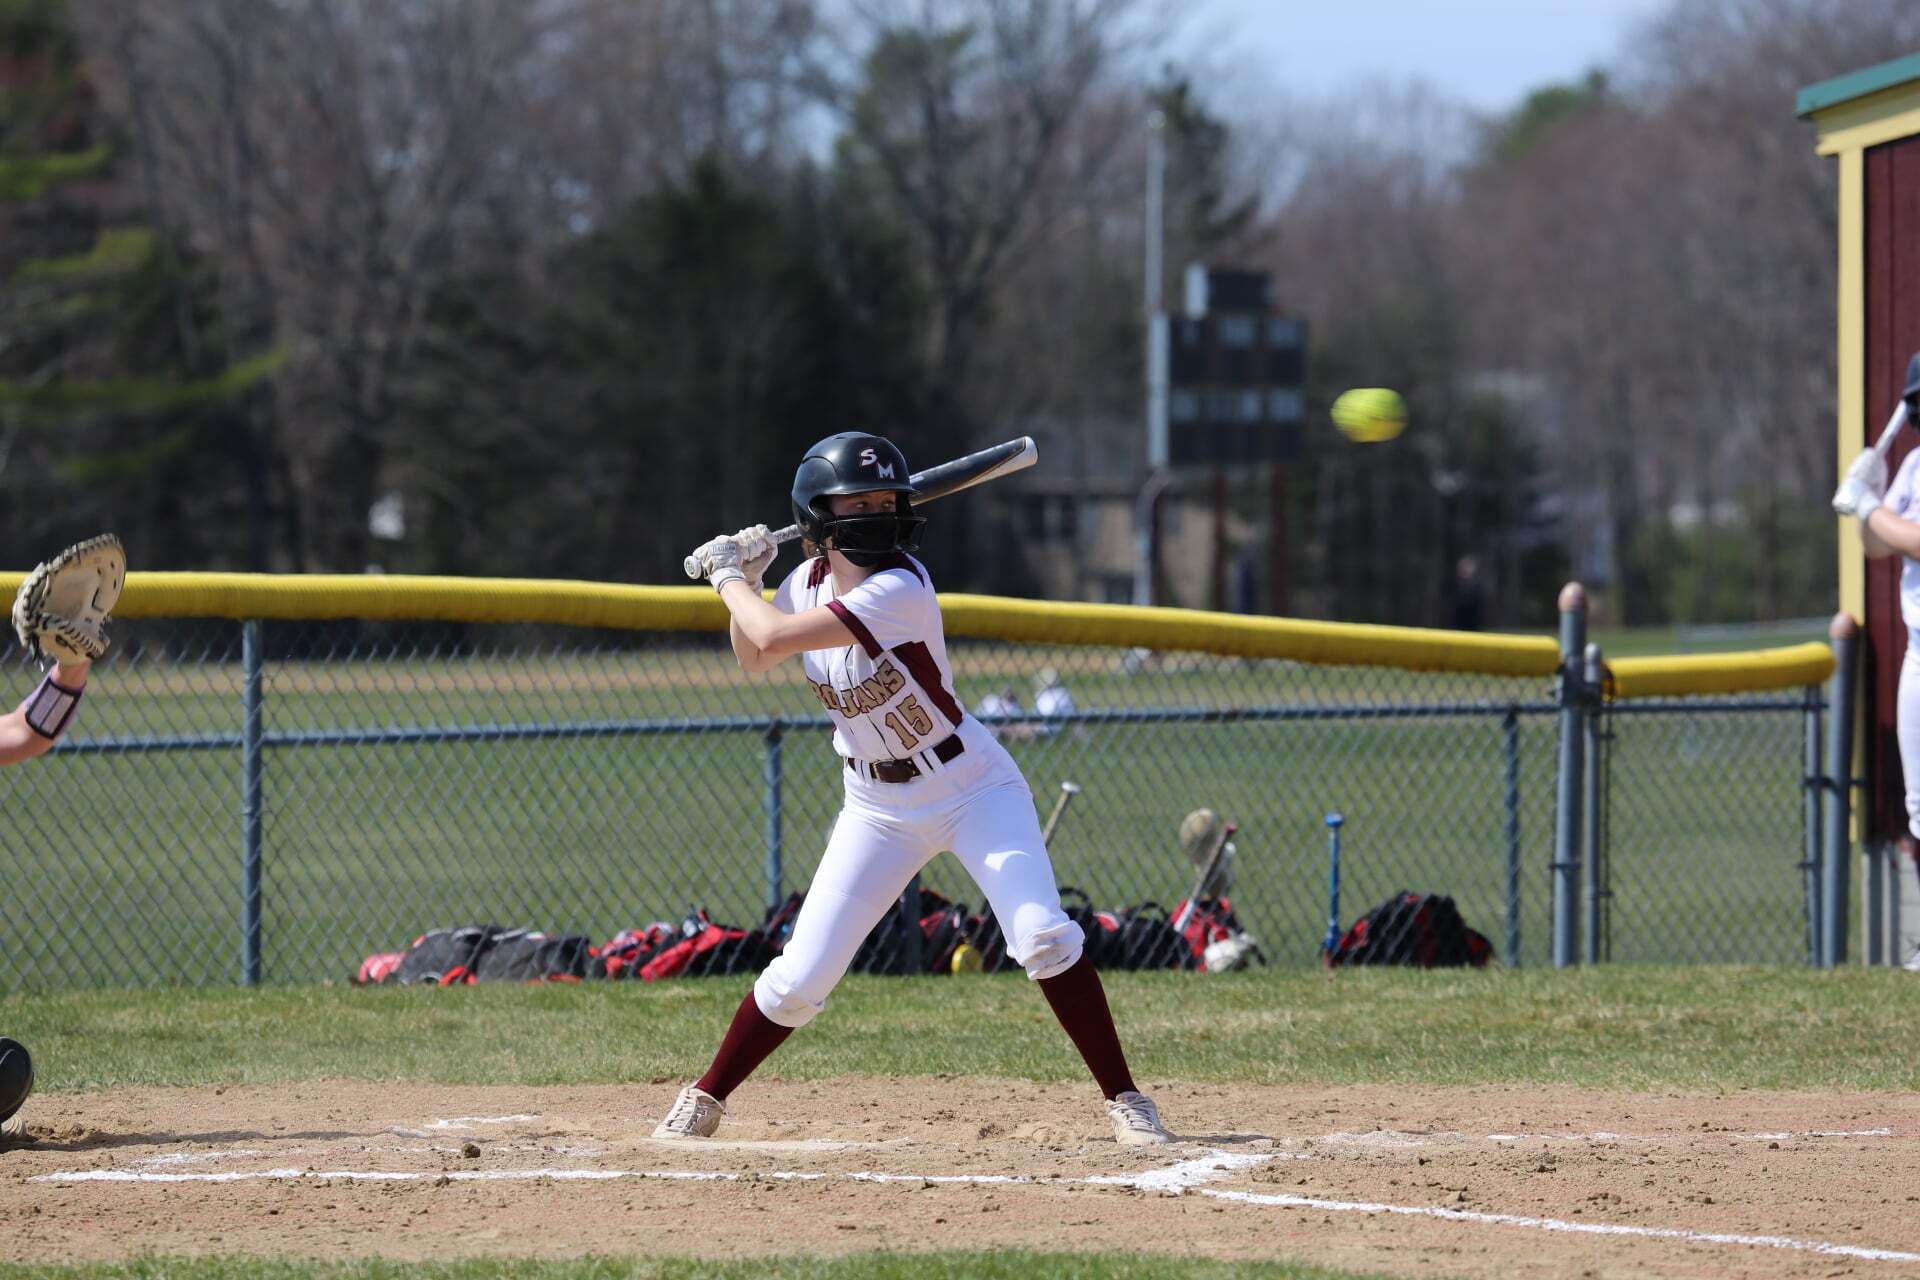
(62, 609)
(1870, 469)
(757, 550)
(1858, 495)
(721, 561)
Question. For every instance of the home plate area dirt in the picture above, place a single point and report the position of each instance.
(1480, 1182)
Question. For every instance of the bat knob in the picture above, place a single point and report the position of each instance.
(692, 566)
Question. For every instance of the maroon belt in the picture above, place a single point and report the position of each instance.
(946, 752)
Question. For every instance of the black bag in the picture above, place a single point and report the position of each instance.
(448, 957)
(1146, 940)
(886, 949)
(527, 955)
(1102, 928)
(1422, 929)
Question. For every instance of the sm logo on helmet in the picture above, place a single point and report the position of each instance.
(868, 458)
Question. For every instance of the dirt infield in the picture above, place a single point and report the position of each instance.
(1482, 1182)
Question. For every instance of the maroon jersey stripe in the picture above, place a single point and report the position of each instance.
(926, 673)
(859, 629)
(817, 574)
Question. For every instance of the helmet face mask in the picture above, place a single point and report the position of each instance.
(854, 462)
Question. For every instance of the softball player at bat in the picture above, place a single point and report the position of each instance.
(920, 774)
(1890, 525)
(60, 614)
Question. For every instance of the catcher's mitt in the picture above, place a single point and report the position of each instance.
(61, 610)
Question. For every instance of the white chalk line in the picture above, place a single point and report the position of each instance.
(467, 1122)
(1561, 1224)
(1690, 1135)
(1175, 1179)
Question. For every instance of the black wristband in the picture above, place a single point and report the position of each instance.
(50, 707)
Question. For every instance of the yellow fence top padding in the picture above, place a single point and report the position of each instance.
(1237, 635)
(400, 597)
(1750, 672)
(403, 597)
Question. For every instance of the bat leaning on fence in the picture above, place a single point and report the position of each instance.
(1206, 872)
(1068, 790)
(939, 482)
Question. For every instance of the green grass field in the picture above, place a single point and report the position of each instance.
(1632, 1027)
(366, 845)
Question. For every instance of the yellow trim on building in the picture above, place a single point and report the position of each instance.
(1867, 122)
(1851, 369)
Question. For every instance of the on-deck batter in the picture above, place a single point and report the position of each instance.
(921, 775)
(1890, 525)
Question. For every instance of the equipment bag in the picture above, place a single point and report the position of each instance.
(1211, 920)
(448, 957)
(1144, 939)
(527, 955)
(622, 955)
(710, 948)
(1422, 929)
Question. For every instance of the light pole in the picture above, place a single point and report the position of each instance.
(1146, 525)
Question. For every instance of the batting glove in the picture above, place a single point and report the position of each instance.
(757, 550)
(1855, 497)
(722, 560)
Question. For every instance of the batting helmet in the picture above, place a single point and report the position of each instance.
(1911, 392)
(16, 1076)
(853, 462)
(1199, 832)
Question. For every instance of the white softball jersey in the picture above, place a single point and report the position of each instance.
(1903, 499)
(890, 693)
(891, 698)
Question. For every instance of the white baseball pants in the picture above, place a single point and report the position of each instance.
(980, 807)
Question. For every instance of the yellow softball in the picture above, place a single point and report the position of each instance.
(965, 960)
(1369, 415)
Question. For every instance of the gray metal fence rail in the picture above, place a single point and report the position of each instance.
(270, 802)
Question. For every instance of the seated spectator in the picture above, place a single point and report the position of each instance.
(1050, 698)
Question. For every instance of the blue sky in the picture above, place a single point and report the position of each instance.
(1488, 53)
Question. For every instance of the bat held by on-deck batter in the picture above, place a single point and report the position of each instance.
(938, 482)
(1884, 445)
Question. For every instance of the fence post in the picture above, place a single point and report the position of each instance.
(1812, 769)
(1566, 818)
(1511, 749)
(252, 659)
(776, 852)
(1845, 635)
(1596, 888)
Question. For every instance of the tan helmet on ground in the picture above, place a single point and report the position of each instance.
(1199, 832)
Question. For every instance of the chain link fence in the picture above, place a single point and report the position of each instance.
(274, 801)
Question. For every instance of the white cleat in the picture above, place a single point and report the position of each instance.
(694, 1114)
(1136, 1121)
(14, 1128)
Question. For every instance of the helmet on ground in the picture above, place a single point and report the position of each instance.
(855, 462)
(16, 1076)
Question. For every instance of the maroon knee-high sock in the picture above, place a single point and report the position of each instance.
(750, 1038)
(1080, 1002)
